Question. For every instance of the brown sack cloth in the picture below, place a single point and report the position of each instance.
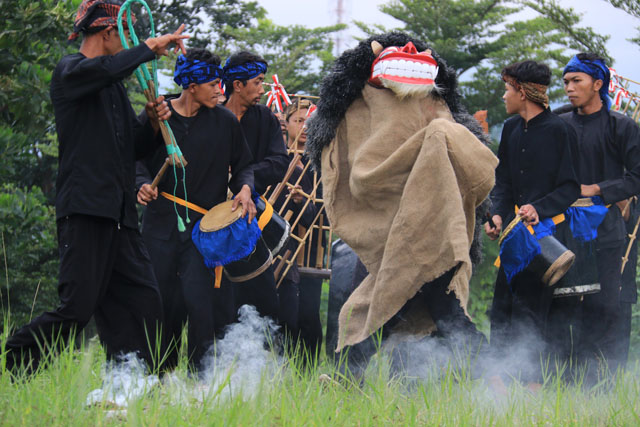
(401, 183)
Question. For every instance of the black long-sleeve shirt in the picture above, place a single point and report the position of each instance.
(212, 142)
(609, 155)
(262, 131)
(536, 166)
(99, 135)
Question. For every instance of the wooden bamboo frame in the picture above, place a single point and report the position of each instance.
(319, 224)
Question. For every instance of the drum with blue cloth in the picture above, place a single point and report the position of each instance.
(585, 215)
(544, 256)
(226, 240)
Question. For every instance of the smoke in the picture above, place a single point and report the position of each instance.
(469, 356)
(243, 358)
(235, 366)
(123, 380)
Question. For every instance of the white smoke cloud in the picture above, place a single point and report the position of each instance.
(243, 358)
(123, 381)
(236, 365)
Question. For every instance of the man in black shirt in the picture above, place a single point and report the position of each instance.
(211, 139)
(609, 167)
(243, 80)
(536, 176)
(105, 270)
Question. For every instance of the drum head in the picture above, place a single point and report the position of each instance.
(559, 268)
(219, 217)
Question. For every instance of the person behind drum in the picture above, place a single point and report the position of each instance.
(536, 176)
(300, 295)
(211, 139)
(609, 167)
(243, 81)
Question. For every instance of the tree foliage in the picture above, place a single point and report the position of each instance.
(297, 54)
(28, 244)
(300, 56)
(632, 7)
(32, 39)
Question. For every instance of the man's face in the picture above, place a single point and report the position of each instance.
(251, 93)
(513, 99)
(295, 124)
(207, 94)
(581, 88)
(112, 42)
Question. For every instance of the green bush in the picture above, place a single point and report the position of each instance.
(29, 253)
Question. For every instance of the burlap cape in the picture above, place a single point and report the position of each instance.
(401, 183)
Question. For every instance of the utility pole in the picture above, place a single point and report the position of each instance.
(340, 12)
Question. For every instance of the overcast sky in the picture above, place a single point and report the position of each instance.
(598, 14)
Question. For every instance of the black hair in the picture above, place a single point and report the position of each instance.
(529, 71)
(238, 59)
(590, 56)
(204, 55)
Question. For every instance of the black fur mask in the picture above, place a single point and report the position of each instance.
(347, 79)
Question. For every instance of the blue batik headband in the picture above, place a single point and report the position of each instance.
(195, 71)
(246, 71)
(596, 69)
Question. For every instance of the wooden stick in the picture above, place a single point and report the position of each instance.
(299, 191)
(281, 185)
(320, 250)
(278, 269)
(300, 257)
(632, 238)
(160, 173)
(304, 238)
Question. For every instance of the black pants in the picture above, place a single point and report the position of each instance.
(309, 324)
(586, 330)
(187, 288)
(518, 317)
(105, 272)
(260, 292)
(600, 313)
(288, 299)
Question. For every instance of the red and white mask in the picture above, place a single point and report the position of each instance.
(403, 69)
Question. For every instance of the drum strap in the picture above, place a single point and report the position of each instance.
(266, 216)
(183, 202)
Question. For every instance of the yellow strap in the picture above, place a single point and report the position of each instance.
(218, 271)
(266, 215)
(556, 220)
(182, 202)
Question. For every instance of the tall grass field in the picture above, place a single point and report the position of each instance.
(251, 385)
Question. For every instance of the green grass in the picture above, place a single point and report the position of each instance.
(286, 395)
(57, 394)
